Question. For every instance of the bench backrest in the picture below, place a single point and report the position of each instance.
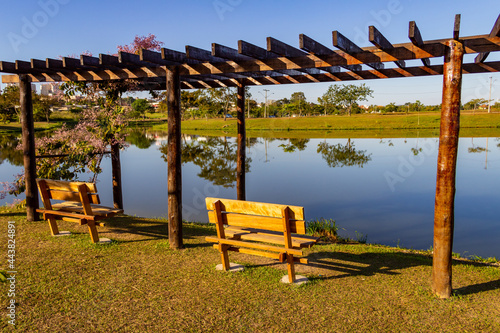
(257, 215)
(66, 191)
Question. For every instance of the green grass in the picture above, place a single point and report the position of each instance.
(138, 284)
(366, 125)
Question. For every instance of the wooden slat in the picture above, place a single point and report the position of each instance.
(221, 51)
(63, 185)
(310, 45)
(253, 245)
(201, 54)
(254, 51)
(176, 56)
(376, 38)
(416, 38)
(298, 237)
(266, 238)
(154, 58)
(252, 252)
(38, 64)
(345, 44)
(456, 27)
(108, 60)
(48, 213)
(23, 65)
(86, 60)
(71, 63)
(283, 49)
(255, 208)
(102, 211)
(131, 59)
(495, 32)
(258, 222)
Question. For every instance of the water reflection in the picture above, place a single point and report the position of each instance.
(216, 157)
(8, 151)
(294, 145)
(139, 139)
(339, 155)
(322, 175)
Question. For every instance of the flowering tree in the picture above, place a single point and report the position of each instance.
(70, 151)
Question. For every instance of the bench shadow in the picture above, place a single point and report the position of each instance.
(139, 227)
(152, 229)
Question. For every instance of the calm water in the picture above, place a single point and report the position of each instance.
(382, 189)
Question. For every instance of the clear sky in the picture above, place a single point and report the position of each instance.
(49, 28)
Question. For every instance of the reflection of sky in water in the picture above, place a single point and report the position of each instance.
(390, 199)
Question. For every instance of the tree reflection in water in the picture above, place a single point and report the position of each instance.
(8, 151)
(294, 144)
(343, 155)
(139, 139)
(215, 156)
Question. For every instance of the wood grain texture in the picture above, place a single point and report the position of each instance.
(255, 208)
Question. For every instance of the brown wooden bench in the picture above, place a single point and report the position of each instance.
(79, 203)
(250, 227)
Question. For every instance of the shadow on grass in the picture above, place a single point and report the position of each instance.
(135, 226)
(154, 229)
(366, 264)
(12, 214)
(477, 288)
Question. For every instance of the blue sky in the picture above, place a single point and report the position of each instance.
(49, 28)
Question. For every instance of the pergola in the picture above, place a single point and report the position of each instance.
(278, 63)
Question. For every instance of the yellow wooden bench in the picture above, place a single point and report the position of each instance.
(79, 202)
(250, 227)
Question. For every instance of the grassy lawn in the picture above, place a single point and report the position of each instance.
(137, 284)
(366, 125)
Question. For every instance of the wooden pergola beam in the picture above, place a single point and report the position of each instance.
(254, 51)
(416, 38)
(345, 44)
(202, 55)
(249, 80)
(376, 38)
(221, 51)
(456, 27)
(495, 32)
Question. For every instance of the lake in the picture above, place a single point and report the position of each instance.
(382, 189)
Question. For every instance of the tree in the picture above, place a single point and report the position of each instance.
(473, 103)
(347, 95)
(9, 100)
(299, 99)
(222, 97)
(140, 106)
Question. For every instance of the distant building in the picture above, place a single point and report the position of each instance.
(50, 89)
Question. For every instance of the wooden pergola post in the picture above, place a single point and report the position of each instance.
(174, 158)
(117, 176)
(240, 164)
(446, 169)
(28, 137)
